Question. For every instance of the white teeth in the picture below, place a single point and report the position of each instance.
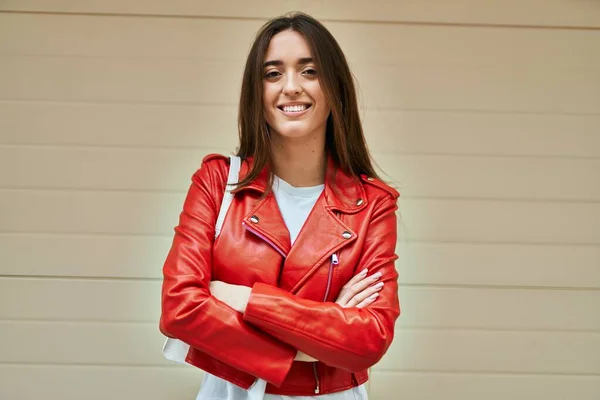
(294, 108)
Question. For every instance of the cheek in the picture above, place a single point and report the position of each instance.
(270, 92)
(319, 97)
(268, 101)
(324, 108)
(266, 96)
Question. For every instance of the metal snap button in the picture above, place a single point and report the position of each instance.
(346, 235)
(254, 219)
(370, 179)
(359, 202)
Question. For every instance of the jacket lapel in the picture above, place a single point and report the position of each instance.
(321, 236)
(324, 232)
(266, 222)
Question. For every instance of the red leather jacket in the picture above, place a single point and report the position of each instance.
(292, 304)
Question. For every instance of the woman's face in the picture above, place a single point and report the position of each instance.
(295, 105)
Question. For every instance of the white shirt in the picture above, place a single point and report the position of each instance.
(295, 204)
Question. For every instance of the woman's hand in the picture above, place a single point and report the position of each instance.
(360, 291)
(235, 296)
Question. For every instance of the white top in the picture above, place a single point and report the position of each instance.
(295, 203)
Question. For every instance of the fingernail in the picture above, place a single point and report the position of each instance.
(379, 285)
(374, 296)
(376, 276)
(364, 272)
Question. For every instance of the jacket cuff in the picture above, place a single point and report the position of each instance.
(259, 308)
(260, 305)
(278, 372)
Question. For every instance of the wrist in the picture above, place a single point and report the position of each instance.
(245, 293)
(300, 356)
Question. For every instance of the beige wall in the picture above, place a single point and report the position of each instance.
(485, 114)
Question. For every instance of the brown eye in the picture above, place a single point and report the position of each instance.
(272, 74)
(310, 71)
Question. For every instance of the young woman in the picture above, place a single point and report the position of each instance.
(297, 296)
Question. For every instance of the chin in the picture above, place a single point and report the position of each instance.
(293, 132)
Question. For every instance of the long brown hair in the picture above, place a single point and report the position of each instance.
(345, 141)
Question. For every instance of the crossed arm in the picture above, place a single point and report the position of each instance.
(356, 340)
(351, 338)
(360, 292)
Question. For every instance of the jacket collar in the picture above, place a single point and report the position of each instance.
(323, 234)
(342, 192)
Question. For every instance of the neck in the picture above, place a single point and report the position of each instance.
(300, 163)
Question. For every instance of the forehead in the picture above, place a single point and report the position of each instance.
(288, 45)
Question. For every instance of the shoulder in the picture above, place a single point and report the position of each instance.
(215, 160)
(377, 188)
(214, 168)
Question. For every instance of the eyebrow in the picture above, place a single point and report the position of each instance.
(301, 61)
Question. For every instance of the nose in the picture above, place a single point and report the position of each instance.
(291, 85)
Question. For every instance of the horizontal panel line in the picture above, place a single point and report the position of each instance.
(118, 102)
(82, 278)
(67, 364)
(501, 287)
(183, 192)
(339, 20)
(109, 279)
(65, 190)
(407, 241)
(91, 189)
(135, 15)
(74, 322)
(471, 25)
(375, 370)
(494, 155)
(486, 372)
(242, 60)
(498, 243)
(146, 147)
(91, 234)
(88, 146)
(234, 105)
(125, 102)
(399, 327)
(157, 235)
(79, 321)
(400, 241)
(187, 58)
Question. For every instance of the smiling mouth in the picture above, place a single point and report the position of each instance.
(295, 108)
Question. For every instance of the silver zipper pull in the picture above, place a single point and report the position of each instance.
(334, 259)
(318, 384)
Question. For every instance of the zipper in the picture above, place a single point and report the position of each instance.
(318, 387)
(334, 261)
(265, 239)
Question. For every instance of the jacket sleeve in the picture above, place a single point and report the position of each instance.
(350, 338)
(191, 314)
